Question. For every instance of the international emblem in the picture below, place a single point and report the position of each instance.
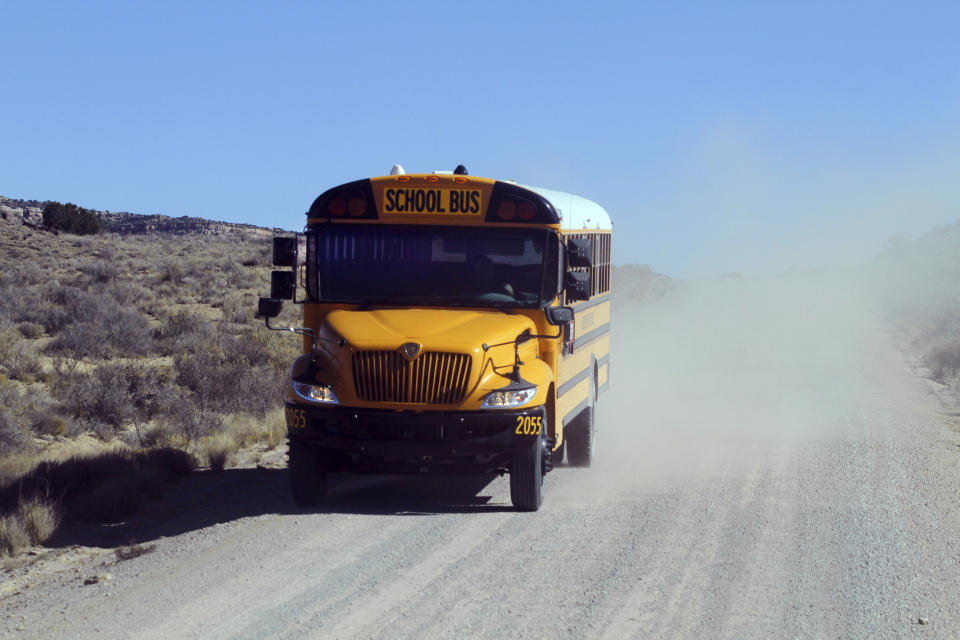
(410, 350)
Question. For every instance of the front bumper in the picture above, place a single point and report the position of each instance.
(401, 441)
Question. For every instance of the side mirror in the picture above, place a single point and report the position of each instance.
(269, 307)
(559, 315)
(563, 316)
(284, 252)
(283, 284)
(579, 253)
(576, 284)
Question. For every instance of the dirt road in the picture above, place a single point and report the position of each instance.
(768, 468)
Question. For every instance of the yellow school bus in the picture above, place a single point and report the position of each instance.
(452, 324)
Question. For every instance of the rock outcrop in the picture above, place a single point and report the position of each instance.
(30, 213)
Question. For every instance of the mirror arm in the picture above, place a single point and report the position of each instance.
(305, 331)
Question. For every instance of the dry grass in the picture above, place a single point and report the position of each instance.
(268, 431)
(103, 487)
(72, 308)
(33, 522)
(218, 450)
(14, 536)
(40, 517)
(144, 339)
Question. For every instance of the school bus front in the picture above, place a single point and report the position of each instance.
(432, 333)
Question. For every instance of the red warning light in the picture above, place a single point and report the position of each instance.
(357, 206)
(526, 210)
(337, 206)
(507, 210)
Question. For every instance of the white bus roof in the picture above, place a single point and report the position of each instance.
(575, 212)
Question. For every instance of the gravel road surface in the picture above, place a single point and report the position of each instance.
(768, 467)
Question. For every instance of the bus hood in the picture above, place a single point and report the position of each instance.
(450, 330)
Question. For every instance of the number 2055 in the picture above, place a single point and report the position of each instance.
(529, 425)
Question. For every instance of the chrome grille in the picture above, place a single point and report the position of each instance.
(435, 378)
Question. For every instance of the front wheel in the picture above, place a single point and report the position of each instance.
(308, 477)
(526, 476)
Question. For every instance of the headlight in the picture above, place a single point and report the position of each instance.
(319, 393)
(508, 397)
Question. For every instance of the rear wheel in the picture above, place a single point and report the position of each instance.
(558, 454)
(526, 476)
(581, 437)
(308, 477)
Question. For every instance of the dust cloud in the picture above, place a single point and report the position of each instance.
(717, 370)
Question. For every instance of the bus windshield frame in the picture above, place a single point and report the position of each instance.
(433, 265)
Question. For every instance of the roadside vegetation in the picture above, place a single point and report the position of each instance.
(920, 290)
(126, 361)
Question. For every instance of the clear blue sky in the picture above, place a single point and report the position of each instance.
(721, 137)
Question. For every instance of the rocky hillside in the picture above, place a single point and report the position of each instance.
(29, 212)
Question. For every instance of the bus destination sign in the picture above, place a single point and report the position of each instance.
(432, 201)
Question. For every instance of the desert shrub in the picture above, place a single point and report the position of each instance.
(105, 486)
(172, 462)
(116, 393)
(9, 339)
(46, 419)
(83, 243)
(69, 305)
(12, 434)
(157, 434)
(236, 373)
(269, 430)
(40, 517)
(130, 294)
(218, 450)
(70, 218)
(944, 360)
(236, 310)
(30, 330)
(173, 272)
(192, 418)
(29, 273)
(100, 271)
(118, 332)
(14, 536)
(18, 359)
(185, 331)
(27, 304)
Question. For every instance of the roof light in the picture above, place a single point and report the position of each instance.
(337, 206)
(397, 170)
(507, 210)
(357, 206)
(526, 210)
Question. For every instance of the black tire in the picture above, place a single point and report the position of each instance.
(526, 477)
(308, 478)
(581, 438)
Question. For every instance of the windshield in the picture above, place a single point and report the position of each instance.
(460, 266)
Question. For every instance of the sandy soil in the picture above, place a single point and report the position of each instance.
(768, 467)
